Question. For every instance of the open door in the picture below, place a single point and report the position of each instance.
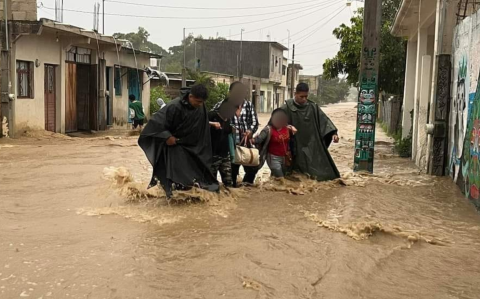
(50, 98)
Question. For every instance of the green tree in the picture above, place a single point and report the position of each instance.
(331, 91)
(392, 51)
(140, 41)
(216, 93)
(155, 93)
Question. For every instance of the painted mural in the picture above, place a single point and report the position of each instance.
(465, 109)
(460, 93)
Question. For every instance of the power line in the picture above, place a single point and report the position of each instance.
(257, 21)
(315, 31)
(184, 17)
(320, 42)
(315, 50)
(286, 21)
(306, 29)
(209, 8)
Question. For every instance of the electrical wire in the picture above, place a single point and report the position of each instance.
(289, 20)
(208, 8)
(315, 31)
(190, 18)
(273, 18)
(315, 50)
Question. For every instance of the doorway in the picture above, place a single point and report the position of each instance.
(109, 97)
(133, 88)
(50, 99)
(81, 100)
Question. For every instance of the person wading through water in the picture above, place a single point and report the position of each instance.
(245, 122)
(220, 129)
(315, 134)
(274, 143)
(177, 143)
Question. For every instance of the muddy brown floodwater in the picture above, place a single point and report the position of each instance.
(68, 231)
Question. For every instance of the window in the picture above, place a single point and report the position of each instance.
(25, 79)
(284, 70)
(273, 63)
(118, 81)
(280, 65)
(79, 55)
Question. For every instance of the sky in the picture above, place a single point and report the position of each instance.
(310, 22)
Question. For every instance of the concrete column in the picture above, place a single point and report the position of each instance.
(409, 92)
(422, 41)
(62, 71)
(422, 120)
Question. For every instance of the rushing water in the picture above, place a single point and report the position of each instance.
(67, 232)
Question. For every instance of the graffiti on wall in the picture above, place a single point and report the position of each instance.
(471, 150)
(366, 115)
(459, 118)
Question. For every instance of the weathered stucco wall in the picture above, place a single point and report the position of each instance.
(31, 112)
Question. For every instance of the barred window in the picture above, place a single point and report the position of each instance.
(25, 79)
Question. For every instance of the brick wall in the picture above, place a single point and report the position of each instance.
(21, 10)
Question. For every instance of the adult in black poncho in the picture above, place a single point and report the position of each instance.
(315, 134)
(177, 143)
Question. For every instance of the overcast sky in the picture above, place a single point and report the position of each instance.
(310, 22)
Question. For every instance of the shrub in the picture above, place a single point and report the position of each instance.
(155, 93)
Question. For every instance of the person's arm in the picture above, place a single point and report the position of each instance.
(260, 139)
(253, 127)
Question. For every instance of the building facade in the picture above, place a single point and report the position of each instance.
(441, 88)
(66, 79)
(259, 65)
(313, 83)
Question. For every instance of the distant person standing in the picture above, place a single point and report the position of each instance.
(315, 134)
(138, 114)
(245, 122)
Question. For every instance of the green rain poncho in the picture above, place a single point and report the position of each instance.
(310, 147)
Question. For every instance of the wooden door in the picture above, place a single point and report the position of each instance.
(50, 103)
(71, 98)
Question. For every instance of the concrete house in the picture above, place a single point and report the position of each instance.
(66, 79)
(441, 88)
(260, 65)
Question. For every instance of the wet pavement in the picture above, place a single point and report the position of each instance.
(66, 231)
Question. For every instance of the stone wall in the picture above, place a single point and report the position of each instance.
(21, 10)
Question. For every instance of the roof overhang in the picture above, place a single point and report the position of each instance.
(66, 29)
(407, 17)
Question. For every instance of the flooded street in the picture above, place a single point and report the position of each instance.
(66, 231)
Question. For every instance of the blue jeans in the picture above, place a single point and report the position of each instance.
(277, 165)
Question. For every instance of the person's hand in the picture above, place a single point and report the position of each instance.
(335, 139)
(293, 129)
(216, 125)
(171, 141)
(248, 134)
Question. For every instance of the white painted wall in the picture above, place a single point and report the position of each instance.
(30, 113)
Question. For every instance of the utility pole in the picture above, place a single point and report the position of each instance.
(241, 54)
(368, 95)
(5, 73)
(292, 74)
(184, 70)
(288, 53)
(103, 17)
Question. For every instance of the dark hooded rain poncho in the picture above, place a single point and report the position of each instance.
(314, 136)
(189, 161)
